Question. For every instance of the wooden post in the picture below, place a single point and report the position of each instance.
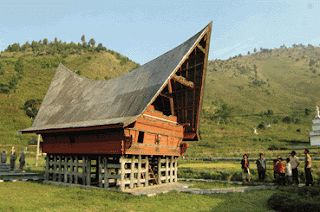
(54, 177)
(106, 172)
(100, 167)
(147, 172)
(176, 169)
(46, 175)
(132, 171)
(65, 170)
(88, 171)
(167, 169)
(159, 170)
(60, 165)
(139, 171)
(38, 147)
(76, 170)
(122, 172)
(171, 169)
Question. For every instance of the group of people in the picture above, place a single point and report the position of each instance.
(284, 173)
(13, 159)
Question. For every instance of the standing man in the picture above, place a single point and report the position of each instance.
(282, 171)
(245, 168)
(261, 166)
(294, 165)
(307, 168)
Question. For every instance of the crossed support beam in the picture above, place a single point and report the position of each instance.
(183, 81)
(171, 98)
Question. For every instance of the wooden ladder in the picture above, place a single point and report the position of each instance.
(152, 176)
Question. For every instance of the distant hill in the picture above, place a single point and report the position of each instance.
(25, 76)
(281, 80)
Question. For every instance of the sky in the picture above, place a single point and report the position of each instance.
(144, 30)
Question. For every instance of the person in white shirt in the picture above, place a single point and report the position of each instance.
(289, 172)
(294, 166)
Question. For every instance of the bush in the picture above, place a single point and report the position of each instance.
(261, 126)
(287, 120)
(273, 147)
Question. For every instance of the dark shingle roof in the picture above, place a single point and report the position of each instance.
(73, 101)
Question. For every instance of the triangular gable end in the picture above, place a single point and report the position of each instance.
(181, 95)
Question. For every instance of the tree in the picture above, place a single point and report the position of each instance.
(92, 42)
(225, 113)
(255, 50)
(248, 53)
(13, 85)
(4, 88)
(34, 46)
(45, 41)
(31, 107)
(15, 47)
(19, 65)
(255, 68)
(307, 111)
(83, 39)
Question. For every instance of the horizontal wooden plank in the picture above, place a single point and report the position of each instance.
(113, 176)
(113, 166)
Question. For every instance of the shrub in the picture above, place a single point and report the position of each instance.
(261, 126)
(297, 121)
(287, 120)
(273, 147)
(89, 57)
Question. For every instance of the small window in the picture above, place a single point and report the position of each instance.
(141, 136)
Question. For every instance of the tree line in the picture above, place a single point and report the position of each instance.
(53, 47)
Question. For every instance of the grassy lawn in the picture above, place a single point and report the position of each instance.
(211, 185)
(28, 196)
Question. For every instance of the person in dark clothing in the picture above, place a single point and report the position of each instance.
(307, 168)
(262, 167)
(245, 168)
(294, 165)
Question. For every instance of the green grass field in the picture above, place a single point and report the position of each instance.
(28, 196)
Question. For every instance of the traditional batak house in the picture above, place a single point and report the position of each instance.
(128, 131)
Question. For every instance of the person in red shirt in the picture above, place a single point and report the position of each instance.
(282, 171)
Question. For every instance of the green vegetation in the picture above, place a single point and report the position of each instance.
(293, 199)
(28, 196)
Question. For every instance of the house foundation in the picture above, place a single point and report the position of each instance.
(111, 171)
